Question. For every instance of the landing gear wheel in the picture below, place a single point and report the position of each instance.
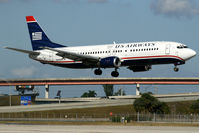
(98, 72)
(176, 69)
(114, 74)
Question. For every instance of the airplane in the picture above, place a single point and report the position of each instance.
(136, 56)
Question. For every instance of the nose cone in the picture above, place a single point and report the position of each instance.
(193, 53)
(190, 54)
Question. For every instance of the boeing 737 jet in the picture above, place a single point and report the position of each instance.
(136, 56)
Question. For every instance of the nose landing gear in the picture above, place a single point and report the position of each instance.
(176, 69)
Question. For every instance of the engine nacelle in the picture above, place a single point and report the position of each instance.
(110, 62)
(139, 68)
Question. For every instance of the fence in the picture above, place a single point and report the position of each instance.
(31, 116)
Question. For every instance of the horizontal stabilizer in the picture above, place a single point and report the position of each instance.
(23, 51)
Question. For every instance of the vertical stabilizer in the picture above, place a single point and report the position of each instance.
(37, 35)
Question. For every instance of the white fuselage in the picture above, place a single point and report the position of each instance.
(131, 54)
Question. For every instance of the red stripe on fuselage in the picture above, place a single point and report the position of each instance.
(160, 56)
(62, 61)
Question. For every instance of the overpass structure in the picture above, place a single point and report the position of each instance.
(99, 81)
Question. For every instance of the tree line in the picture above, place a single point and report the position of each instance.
(147, 103)
(108, 90)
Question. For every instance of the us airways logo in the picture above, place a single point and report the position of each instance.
(36, 36)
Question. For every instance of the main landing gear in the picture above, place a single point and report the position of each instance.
(113, 73)
(98, 71)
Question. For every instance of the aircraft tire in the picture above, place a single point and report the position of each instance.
(98, 72)
(176, 69)
(114, 74)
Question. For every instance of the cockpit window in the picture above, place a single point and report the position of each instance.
(182, 46)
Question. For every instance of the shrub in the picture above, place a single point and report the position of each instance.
(148, 103)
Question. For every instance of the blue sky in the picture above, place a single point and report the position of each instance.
(90, 22)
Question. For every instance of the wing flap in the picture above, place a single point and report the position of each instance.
(74, 56)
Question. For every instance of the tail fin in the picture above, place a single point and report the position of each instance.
(38, 37)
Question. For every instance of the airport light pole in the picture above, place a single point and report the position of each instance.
(10, 97)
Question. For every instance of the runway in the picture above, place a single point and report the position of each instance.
(93, 129)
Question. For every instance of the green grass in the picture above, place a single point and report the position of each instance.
(125, 109)
(96, 112)
(180, 107)
(176, 108)
(99, 112)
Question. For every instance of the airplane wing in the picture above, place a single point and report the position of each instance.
(74, 56)
(23, 51)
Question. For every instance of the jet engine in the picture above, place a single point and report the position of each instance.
(139, 68)
(110, 62)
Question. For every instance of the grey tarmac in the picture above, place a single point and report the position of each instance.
(5, 128)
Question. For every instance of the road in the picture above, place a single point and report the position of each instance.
(93, 129)
(43, 107)
(93, 103)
